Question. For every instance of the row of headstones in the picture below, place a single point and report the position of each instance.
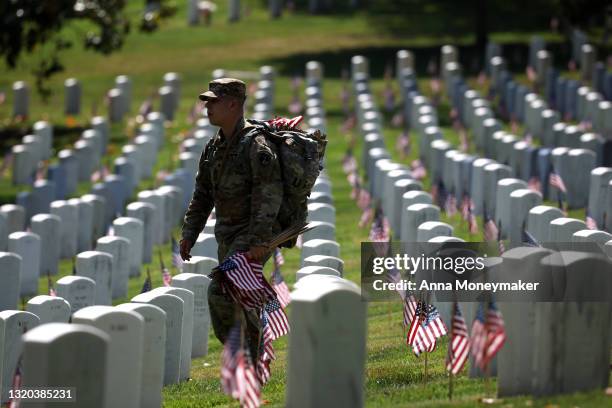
(569, 99)
(476, 113)
(410, 211)
(546, 330)
(421, 224)
(119, 97)
(73, 227)
(135, 164)
(320, 252)
(123, 354)
(524, 160)
(318, 287)
(486, 181)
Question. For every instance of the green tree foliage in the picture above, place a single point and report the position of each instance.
(28, 26)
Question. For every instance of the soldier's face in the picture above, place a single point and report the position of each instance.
(220, 110)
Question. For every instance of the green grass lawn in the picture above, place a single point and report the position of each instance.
(394, 377)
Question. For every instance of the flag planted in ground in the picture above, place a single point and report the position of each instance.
(459, 345)
(488, 334)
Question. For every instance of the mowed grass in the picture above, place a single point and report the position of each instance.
(393, 376)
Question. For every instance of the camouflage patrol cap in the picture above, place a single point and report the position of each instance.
(224, 86)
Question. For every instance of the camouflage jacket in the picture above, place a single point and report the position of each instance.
(241, 178)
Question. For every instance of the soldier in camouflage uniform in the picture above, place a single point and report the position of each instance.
(239, 175)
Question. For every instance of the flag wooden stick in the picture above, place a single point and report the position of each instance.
(426, 354)
(449, 355)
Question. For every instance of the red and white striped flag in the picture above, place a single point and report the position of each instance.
(410, 304)
(419, 172)
(490, 230)
(459, 345)
(244, 281)
(534, 184)
(16, 386)
(426, 327)
(238, 376)
(365, 199)
(590, 221)
(556, 181)
(488, 334)
(280, 287)
(166, 277)
(450, 205)
(276, 319)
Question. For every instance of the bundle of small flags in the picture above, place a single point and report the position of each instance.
(285, 123)
(488, 334)
(243, 279)
(426, 327)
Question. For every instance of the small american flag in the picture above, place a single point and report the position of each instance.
(490, 232)
(166, 277)
(419, 172)
(488, 334)
(426, 327)
(284, 123)
(534, 184)
(590, 221)
(463, 141)
(276, 318)
(52, 291)
(177, 261)
(366, 217)
(389, 97)
(459, 345)
(529, 240)
(16, 385)
(147, 285)
(146, 107)
(472, 223)
(450, 205)
(279, 260)
(280, 287)
(556, 181)
(349, 163)
(500, 242)
(379, 232)
(466, 207)
(403, 144)
(244, 281)
(365, 199)
(410, 305)
(238, 376)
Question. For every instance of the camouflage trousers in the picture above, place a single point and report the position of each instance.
(224, 311)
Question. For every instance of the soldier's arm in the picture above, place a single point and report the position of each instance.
(267, 192)
(201, 203)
